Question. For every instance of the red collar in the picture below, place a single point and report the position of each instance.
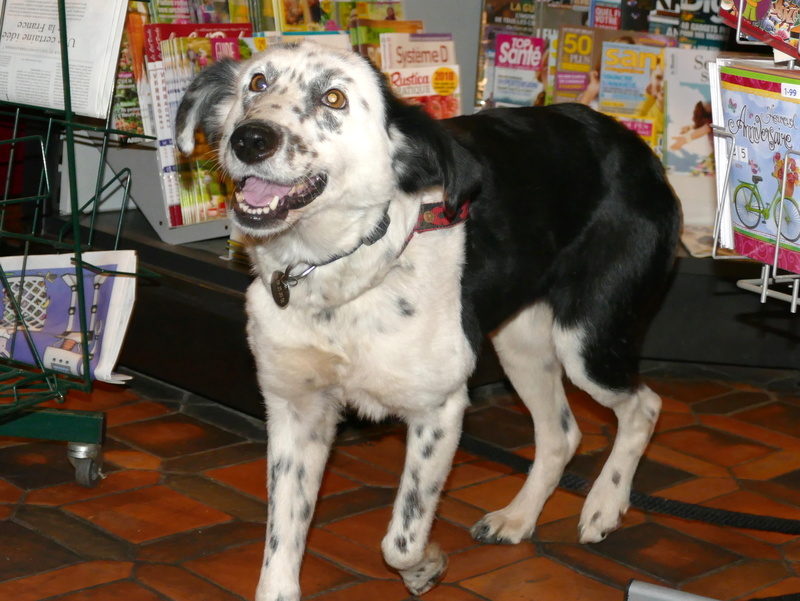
(433, 216)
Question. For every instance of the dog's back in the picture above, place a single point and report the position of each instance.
(574, 211)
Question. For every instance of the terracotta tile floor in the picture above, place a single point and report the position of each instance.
(180, 514)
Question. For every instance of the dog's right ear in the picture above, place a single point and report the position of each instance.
(204, 104)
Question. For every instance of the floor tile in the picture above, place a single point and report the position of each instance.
(501, 427)
(741, 579)
(36, 465)
(197, 543)
(781, 417)
(664, 554)
(541, 579)
(71, 492)
(732, 402)
(717, 447)
(374, 590)
(65, 580)
(8, 492)
(180, 585)
(146, 514)
(173, 435)
(486, 558)
(119, 590)
(71, 533)
(25, 552)
(237, 570)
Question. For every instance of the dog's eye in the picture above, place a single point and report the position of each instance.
(258, 83)
(334, 99)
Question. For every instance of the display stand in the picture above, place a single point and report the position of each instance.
(772, 283)
(23, 387)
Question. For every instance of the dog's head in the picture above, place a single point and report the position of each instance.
(302, 129)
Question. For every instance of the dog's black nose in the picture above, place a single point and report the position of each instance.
(254, 142)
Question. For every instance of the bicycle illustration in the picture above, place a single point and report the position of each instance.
(751, 208)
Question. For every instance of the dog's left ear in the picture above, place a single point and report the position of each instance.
(203, 104)
(430, 155)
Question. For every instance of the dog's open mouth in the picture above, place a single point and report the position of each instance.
(259, 200)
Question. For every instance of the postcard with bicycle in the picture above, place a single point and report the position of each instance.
(760, 110)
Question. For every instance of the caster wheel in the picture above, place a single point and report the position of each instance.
(87, 459)
(87, 472)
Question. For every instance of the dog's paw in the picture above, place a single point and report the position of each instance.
(601, 515)
(421, 578)
(502, 528)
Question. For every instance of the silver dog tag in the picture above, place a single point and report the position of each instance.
(280, 289)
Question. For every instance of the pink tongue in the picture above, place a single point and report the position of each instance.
(259, 193)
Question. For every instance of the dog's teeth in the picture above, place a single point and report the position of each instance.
(274, 203)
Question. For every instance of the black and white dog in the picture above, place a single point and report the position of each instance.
(375, 288)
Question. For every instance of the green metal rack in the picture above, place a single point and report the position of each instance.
(24, 387)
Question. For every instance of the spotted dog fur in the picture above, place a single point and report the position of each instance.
(571, 231)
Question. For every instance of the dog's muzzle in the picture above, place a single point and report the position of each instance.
(254, 142)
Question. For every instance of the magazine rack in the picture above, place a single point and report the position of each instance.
(23, 387)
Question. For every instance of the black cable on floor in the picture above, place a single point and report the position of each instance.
(689, 511)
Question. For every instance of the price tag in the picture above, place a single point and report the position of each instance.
(790, 91)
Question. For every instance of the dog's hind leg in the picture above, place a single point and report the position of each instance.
(298, 445)
(636, 407)
(432, 441)
(526, 351)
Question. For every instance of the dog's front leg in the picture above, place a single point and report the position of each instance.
(298, 445)
(432, 441)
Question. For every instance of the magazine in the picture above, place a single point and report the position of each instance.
(202, 186)
(436, 88)
(155, 33)
(551, 18)
(580, 55)
(30, 69)
(499, 16)
(688, 138)
(519, 78)
(365, 35)
(128, 109)
(701, 25)
(47, 296)
(632, 89)
(404, 50)
(760, 111)
(605, 14)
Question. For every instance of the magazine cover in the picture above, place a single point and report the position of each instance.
(47, 296)
(155, 33)
(403, 50)
(701, 25)
(551, 18)
(760, 110)
(500, 16)
(688, 143)
(632, 88)
(519, 78)
(437, 89)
